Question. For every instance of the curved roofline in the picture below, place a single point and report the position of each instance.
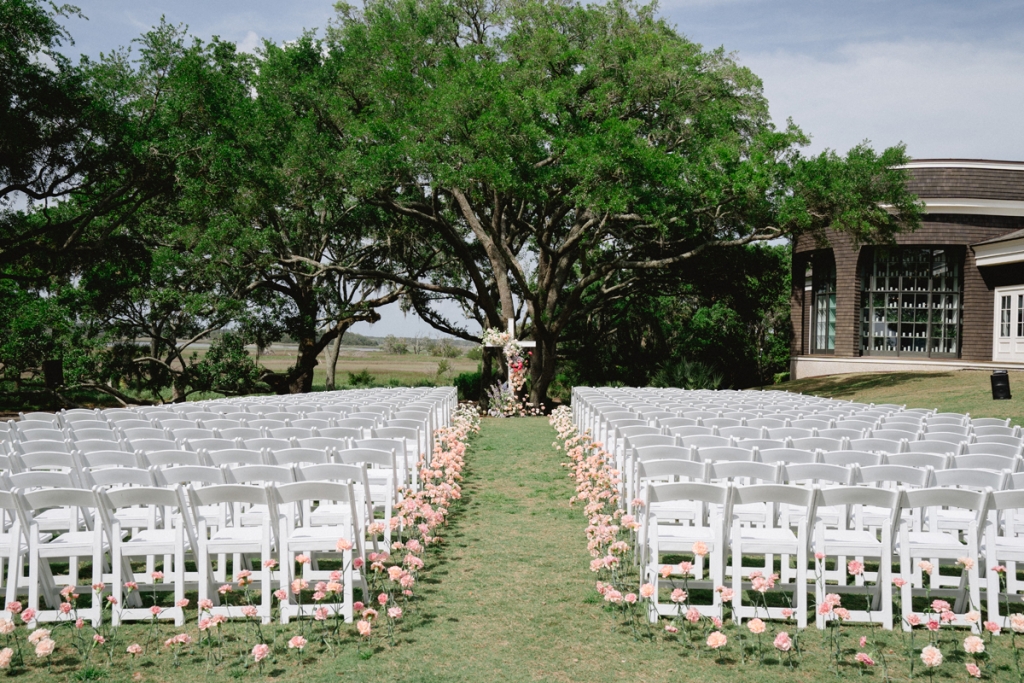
(966, 163)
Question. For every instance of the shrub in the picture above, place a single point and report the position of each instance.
(685, 374)
(475, 353)
(363, 378)
(469, 384)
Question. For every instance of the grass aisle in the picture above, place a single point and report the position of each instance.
(514, 598)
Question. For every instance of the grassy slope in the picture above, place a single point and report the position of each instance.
(963, 391)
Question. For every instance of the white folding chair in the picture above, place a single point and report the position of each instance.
(233, 538)
(167, 534)
(318, 542)
(777, 537)
(852, 537)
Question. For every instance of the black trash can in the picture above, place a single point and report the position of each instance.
(53, 373)
(1000, 385)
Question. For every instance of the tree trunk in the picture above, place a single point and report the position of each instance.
(543, 365)
(332, 362)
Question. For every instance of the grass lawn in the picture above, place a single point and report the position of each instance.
(965, 391)
(509, 596)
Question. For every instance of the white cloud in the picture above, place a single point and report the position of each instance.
(250, 43)
(942, 99)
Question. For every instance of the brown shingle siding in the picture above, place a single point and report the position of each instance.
(972, 183)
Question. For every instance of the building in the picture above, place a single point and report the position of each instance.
(947, 296)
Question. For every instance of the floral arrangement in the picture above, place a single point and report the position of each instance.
(391, 576)
(503, 398)
(611, 542)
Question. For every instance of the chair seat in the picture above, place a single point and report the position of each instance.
(330, 513)
(317, 538)
(71, 543)
(935, 542)
(152, 541)
(841, 541)
(757, 540)
(672, 537)
(236, 539)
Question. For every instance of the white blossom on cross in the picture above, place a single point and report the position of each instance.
(512, 338)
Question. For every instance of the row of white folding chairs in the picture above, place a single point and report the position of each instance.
(381, 455)
(212, 451)
(791, 438)
(172, 532)
(836, 467)
(872, 523)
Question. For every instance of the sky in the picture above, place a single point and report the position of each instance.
(944, 77)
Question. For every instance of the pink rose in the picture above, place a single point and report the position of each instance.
(931, 656)
(296, 643)
(717, 640)
(783, 642)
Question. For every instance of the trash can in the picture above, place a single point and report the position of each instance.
(53, 374)
(1000, 385)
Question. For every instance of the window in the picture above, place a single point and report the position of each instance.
(823, 306)
(1004, 316)
(911, 302)
(1020, 315)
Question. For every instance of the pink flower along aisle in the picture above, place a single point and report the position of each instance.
(666, 608)
(391, 575)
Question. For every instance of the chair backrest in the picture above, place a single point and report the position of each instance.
(99, 459)
(321, 491)
(812, 423)
(894, 434)
(691, 430)
(44, 434)
(742, 433)
(661, 452)
(801, 496)
(258, 474)
(670, 422)
(94, 434)
(685, 470)
(742, 472)
(931, 447)
(233, 456)
(294, 456)
(715, 494)
(817, 472)
(767, 422)
(371, 456)
(342, 432)
(356, 422)
(260, 444)
(169, 458)
(841, 433)
(188, 474)
(789, 455)
(897, 475)
(847, 458)
(976, 479)
(227, 493)
(647, 440)
(937, 461)
(705, 441)
(308, 423)
(117, 476)
(291, 433)
(138, 433)
(877, 445)
(993, 449)
(989, 422)
(220, 423)
(42, 480)
(721, 422)
(153, 445)
(943, 496)
(211, 444)
(47, 460)
(988, 462)
(789, 433)
(263, 423)
(820, 443)
(241, 433)
(177, 423)
(719, 453)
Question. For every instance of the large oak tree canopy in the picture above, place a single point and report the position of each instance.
(540, 151)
